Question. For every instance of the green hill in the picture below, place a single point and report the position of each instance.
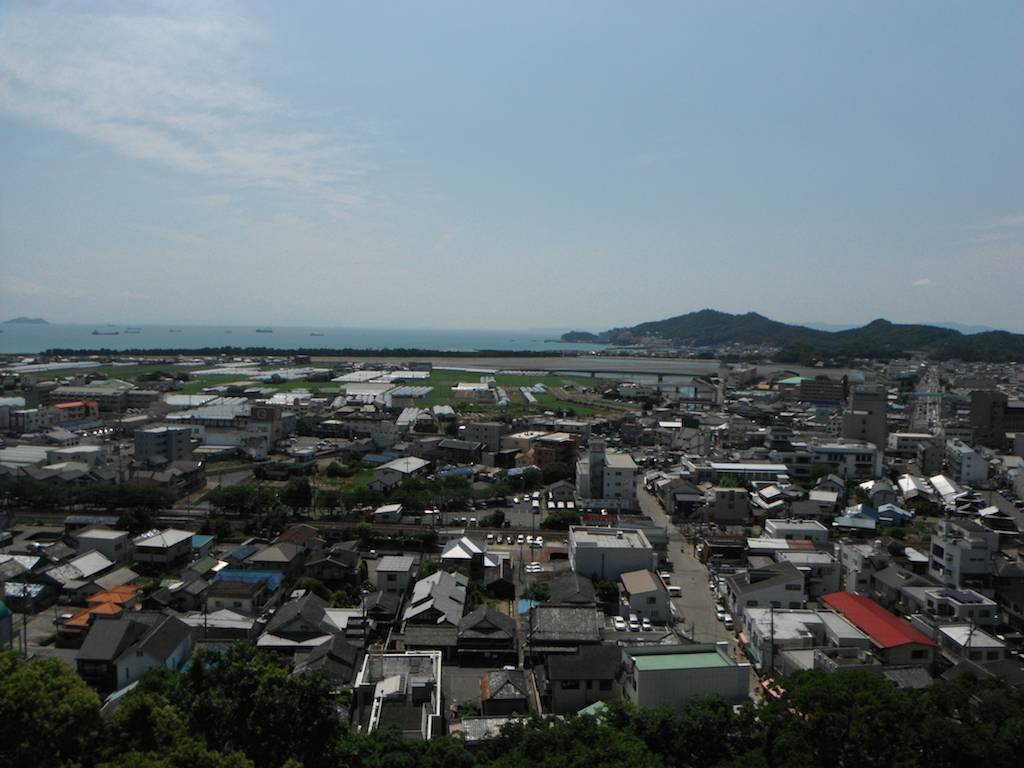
(878, 339)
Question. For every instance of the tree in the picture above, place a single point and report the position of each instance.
(297, 494)
(556, 471)
(50, 717)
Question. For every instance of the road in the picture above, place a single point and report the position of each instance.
(696, 606)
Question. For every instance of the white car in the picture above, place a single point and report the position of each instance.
(728, 623)
(646, 625)
(515, 499)
(719, 614)
(537, 542)
(490, 538)
(619, 623)
(520, 539)
(634, 623)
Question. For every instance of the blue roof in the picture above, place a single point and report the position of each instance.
(200, 540)
(272, 579)
(242, 553)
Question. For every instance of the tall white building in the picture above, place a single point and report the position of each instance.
(607, 553)
(605, 479)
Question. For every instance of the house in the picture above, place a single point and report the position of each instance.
(338, 566)
(570, 682)
(119, 651)
(160, 549)
(673, 675)
(961, 553)
(77, 575)
(769, 633)
(245, 592)
(437, 599)
(338, 659)
(285, 558)
(561, 629)
(394, 573)
(895, 640)
(504, 692)
(959, 642)
(487, 634)
(572, 589)
(820, 570)
(779, 585)
(644, 594)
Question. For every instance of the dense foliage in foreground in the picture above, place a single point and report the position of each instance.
(240, 709)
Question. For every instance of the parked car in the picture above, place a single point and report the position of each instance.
(646, 625)
(520, 539)
(619, 623)
(634, 623)
(728, 623)
(674, 591)
(490, 538)
(538, 541)
(719, 614)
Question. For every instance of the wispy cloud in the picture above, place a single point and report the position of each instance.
(173, 85)
(922, 282)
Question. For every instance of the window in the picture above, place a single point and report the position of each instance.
(605, 685)
(570, 685)
(919, 654)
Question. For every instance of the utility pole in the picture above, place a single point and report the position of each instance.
(771, 640)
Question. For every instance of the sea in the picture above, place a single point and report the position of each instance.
(16, 338)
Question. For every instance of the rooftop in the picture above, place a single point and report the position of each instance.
(884, 628)
(676, 657)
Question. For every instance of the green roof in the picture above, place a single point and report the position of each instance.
(4, 610)
(795, 380)
(667, 661)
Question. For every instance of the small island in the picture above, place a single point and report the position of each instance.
(26, 321)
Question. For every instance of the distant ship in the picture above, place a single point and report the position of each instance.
(264, 330)
(174, 330)
(133, 330)
(314, 333)
(106, 333)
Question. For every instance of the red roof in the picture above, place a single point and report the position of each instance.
(77, 404)
(887, 629)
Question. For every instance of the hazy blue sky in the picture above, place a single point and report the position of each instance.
(505, 165)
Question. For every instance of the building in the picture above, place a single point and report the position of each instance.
(770, 632)
(961, 553)
(966, 466)
(570, 682)
(117, 652)
(993, 415)
(823, 391)
(864, 417)
(487, 634)
(727, 506)
(163, 548)
(394, 473)
(437, 599)
(854, 460)
(157, 446)
(110, 395)
(779, 585)
(401, 690)
(796, 530)
(894, 640)
(607, 553)
(487, 432)
(606, 480)
(673, 675)
(504, 692)
(116, 546)
(959, 642)
(394, 573)
(820, 570)
(644, 594)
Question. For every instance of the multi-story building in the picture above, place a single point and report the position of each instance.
(851, 459)
(487, 432)
(864, 417)
(403, 690)
(605, 479)
(111, 395)
(993, 414)
(163, 445)
(728, 506)
(796, 530)
(961, 553)
(554, 448)
(904, 444)
(966, 465)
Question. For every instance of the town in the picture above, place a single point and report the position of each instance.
(458, 547)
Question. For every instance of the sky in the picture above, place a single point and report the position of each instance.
(510, 165)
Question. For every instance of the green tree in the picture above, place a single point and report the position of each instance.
(297, 494)
(49, 716)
